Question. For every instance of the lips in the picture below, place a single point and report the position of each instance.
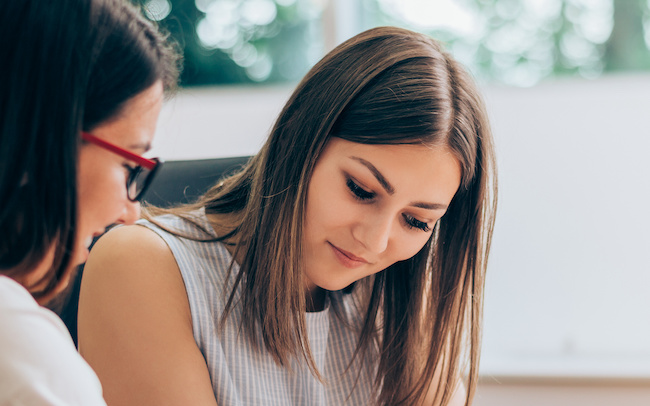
(346, 258)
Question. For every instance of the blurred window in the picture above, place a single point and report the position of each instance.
(516, 42)
(520, 42)
(241, 41)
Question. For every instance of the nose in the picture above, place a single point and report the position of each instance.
(131, 213)
(374, 233)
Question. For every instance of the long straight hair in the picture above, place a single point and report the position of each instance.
(384, 86)
(68, 66)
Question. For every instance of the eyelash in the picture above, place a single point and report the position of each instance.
(364, 196)
(131, 171)
(359, 192)
(412, 222)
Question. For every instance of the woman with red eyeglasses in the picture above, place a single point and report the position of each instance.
(81, 87)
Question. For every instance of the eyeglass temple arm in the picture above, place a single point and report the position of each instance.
(144, 162)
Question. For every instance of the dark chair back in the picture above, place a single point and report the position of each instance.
(178, 182)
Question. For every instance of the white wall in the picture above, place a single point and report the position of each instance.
(567, 290)
(568, 283)
(217, 122)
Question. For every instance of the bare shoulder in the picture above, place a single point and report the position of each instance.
(130, 243)
(135, 324)
(132, 265)
(132, 254)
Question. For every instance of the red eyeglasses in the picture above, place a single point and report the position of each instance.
(140, 176)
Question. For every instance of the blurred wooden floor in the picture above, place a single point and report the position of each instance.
(564, 392)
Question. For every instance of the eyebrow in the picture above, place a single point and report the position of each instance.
(391, 190)
(430, 206)
(380, 178)
(144, 146)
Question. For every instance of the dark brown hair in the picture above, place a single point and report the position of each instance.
(384, 86)
(68, 66)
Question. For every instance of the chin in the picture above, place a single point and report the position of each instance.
(79, 256)
(333, 286)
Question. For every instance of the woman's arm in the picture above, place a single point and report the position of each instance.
(459, 396)
(135, 326)
(433, 396)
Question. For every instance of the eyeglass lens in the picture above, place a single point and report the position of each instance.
(138, 181)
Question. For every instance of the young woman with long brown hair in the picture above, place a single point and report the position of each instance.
(344, 264)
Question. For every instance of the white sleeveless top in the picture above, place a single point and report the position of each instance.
(243, 375)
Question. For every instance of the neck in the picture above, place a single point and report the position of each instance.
(315, 299)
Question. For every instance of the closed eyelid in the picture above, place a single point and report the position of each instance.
(359, 191)
(357, 182)
(420, 218)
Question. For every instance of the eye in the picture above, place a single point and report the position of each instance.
(359, 192)
(130, 168)
(412, 222)
(132, 172)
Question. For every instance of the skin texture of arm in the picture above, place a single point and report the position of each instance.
(457, 399)
(135, 326)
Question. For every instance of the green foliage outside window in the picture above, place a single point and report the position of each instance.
(517, 42)
(521, 42)
(240, 41)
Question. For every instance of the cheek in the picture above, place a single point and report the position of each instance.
(320, 203)
(97, 189)
(330, 211)
(407, 247)
(101, 191)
